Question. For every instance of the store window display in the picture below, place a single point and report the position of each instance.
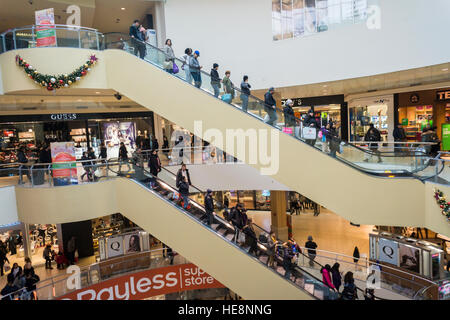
(362, 116)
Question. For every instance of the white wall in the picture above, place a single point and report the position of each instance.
(8, 205)
(237, 34)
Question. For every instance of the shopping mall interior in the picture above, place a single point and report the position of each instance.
(142, 148)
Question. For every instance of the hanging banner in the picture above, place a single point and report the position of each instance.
(45, 36)
(64, 166)
(148, 283)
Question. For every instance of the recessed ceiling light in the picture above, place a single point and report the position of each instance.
(445, 69)
(325, 85)
(97, 92)
(122, 8)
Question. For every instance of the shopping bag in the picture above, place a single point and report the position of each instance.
(320, 135)
(175, 68)
(309, 133)
(227, 97)
(6, 266)
(167, 65)
(97, 173)
(241, 237)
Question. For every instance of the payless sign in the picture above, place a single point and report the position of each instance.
(443, 95)
(148, 283)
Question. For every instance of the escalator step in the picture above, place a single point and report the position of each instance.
(215, 226)
(222, 231)
(230, 236)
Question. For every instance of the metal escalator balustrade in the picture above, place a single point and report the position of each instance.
(411, 163)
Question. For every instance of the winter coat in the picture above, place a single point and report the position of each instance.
(154, 164)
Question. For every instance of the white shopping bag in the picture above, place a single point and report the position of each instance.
(309, 133)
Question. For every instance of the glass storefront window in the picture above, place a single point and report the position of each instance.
(323, 114)
(362, 116)
(414, 119)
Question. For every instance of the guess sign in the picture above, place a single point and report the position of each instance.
(63, 116)
(443, 95)
(148, 283)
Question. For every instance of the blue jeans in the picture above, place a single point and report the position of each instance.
(186, 201)
(216, 89)
(273, 117)
(197, 79)
(244, 99)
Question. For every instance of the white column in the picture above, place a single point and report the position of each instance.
(158, 129)
(160, 24)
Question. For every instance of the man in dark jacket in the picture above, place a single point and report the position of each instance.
(136, 39)
(288, 255)
(123, 157)
(209, 208)
(311, 246)
(155, 166)
(22, 158)
(9, 288)
(215, 79)
(289, 117)
(3, 257)
(311, 122)
(250, 237)
(372, 136)
(183, 172)
(270, 106)
(399, 136)
(183, 189)
(236, 220)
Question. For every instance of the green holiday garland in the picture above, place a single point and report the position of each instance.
(443, 204)
(52, 82)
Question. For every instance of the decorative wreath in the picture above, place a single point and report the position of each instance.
(52, 82)
(440, 200)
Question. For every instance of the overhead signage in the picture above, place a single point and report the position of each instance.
(45, 36)
(443, 95)
(148, 283)
(63, 116)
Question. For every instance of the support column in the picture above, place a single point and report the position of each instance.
(160, 23)
(278, 200)
(158, 129)
(26, 241)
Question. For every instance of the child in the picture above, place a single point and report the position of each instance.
(59, 261)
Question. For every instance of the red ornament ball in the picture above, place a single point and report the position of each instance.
(61, 81)
(442, 207)
(83, 73)
(27, 65)
(49, 88)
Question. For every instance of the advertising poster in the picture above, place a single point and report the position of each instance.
(64, 166)
(148, 283)
(132, 243)
(114, 246)
(446, 136)
(116, 132)
(409, 258)
(388, 251)
(45, 36)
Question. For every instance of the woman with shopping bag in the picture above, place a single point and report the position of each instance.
(310, 127)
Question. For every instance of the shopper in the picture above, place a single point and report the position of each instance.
(103, 152)
(311, 122)
(30, 283)
(137, 39)
(349, 292)
(169, 56)
(326, 276)
(28, 267)
(288, 255)
(45, 154)
(209, 208)
(195, 67)
(123, 157)
(356, 255)
(271, 252)
(154, 163)
(47, 255)
(250, 237)
(289, 117)
(336, 276)
(270, 106)
(165, 146)
(183, 172)
(170, 254)
(372, 136)
(429, 135)
(311, 246)
(245, 93)
(236, 220)
(228, 86)
(185, 66)
(3, 257)
(215, 79)
(369, 294)
(86, 166)
(399, 137)
(59, 261)
(23, 168)
(183, 189)
(71, 248)
(9, 288)
(333, 140)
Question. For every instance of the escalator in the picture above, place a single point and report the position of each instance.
(387, 193)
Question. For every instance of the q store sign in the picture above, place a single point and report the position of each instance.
(148, 283)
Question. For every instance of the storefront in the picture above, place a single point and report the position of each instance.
(326, 109)
(377, 110)
(416, 110)
(84, 129)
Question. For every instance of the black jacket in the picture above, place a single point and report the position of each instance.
(103, 153)
(154, 164)
(236, 217)
(289, 117)
(123, 153)
(399, 134)
(134, 31)
(180, 177)
(45, 156)
(373, 135)
(21, 157)
(269, 101)
(311, 246)
(215, 79)
(209, 204)
(310, 121)
(183, 188)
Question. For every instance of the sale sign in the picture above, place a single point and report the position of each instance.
(64, 165)
(45, 36)
(148, 283)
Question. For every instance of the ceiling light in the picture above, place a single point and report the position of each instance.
(122, 8)
(445, 69)
(97, 92)
(325, 85)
